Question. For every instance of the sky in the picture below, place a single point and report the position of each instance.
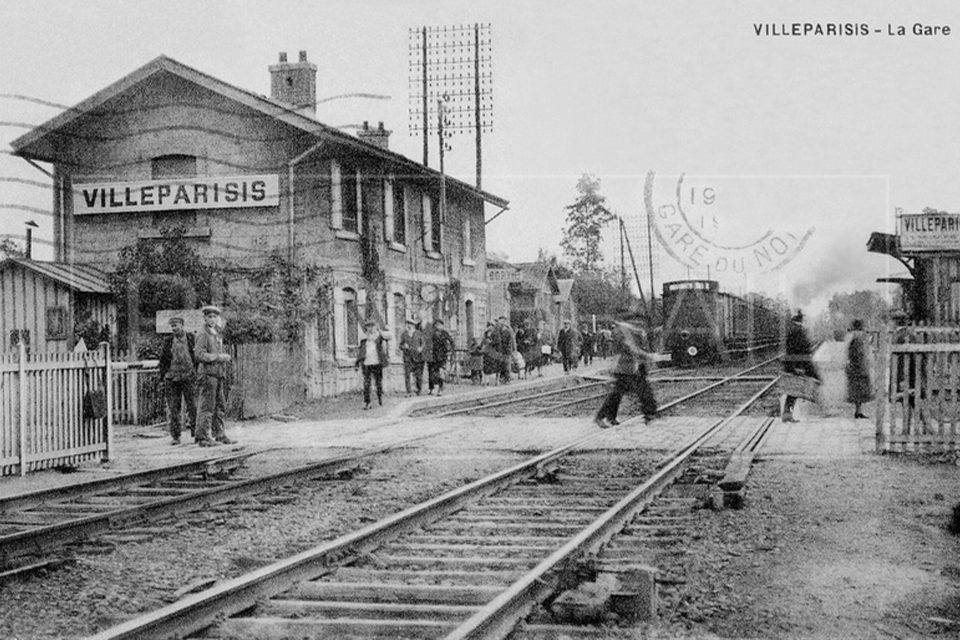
(812, 138)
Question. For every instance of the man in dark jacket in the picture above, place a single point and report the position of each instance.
(411, 346)
(568, 344)
(586, 344)
(630, 374)
(372, 355)
(178, 370)
(798, 360)
(505, 344)
(440, 346)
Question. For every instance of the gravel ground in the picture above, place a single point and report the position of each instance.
(825, 549)
(108, 582)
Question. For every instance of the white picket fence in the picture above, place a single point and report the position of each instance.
(138, 391)
(42, 422)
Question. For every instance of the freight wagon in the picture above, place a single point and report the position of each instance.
(703, 325)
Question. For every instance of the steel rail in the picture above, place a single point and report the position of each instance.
(209, 466)
(501, 403)
(498, 618)
(39, 539)
(720, 380)
(205, 608)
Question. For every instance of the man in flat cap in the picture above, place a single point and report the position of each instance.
(411, 346)
(373, 355)
(178, 370)
(213, 373)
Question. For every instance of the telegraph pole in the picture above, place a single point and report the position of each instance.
(455, 62)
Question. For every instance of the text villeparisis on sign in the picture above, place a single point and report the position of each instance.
(220, 192)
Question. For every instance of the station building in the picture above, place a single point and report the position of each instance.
(246, 176)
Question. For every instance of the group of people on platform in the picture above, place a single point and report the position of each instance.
(505, 351)
(798, 361)
(186, 359)
(194, 368)
(430, 346)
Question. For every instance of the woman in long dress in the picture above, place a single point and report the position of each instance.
(859, 389)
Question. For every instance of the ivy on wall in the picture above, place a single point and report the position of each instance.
(281, 297)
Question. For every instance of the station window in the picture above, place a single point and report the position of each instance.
(399, 214)
(436, 228)
(350, 205)
(351, 318)
(173, 166)
(56, 323)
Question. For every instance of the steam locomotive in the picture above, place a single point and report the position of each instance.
(703, 325)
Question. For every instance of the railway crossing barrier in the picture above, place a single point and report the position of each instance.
(918, 390)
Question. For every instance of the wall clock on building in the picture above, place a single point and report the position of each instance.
(428, 293)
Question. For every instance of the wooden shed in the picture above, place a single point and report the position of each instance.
(42, 301)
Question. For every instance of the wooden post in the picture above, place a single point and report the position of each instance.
(882, 383)
(133, 394)
(22, 353)
(108, 381)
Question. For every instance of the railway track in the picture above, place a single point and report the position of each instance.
(34, 526)
(468, 564)
(574, 396)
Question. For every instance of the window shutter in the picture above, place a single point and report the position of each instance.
(388, 216)
(336, 197)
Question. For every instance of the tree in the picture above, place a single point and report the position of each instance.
(11, 249)
(598, 296)
(586, 218)
(157, 274)
(844, 308)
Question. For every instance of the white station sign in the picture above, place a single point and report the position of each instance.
(216, 192)
(930, 232)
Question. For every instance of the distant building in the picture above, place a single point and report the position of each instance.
(249, 176)
(529, 290)
(500, 274)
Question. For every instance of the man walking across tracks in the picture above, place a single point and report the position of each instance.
(213, 376)
(630, 374)
(178, 370)
(798, 360)
(411, 346)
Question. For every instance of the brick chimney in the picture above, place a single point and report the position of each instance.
(378, 137)
(295, 83)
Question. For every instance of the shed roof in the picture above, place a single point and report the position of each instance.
(79, 277)
(32, 144)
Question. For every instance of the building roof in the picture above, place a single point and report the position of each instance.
(30, 145)
(79, 277)
(498, 263)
